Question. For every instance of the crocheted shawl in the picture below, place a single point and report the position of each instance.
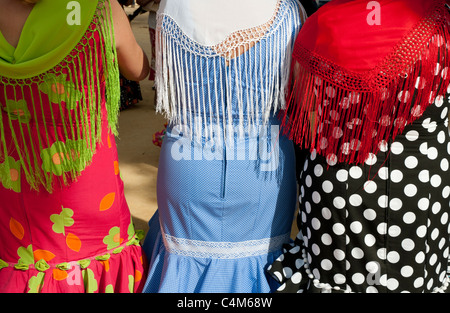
(223, 64)
(52, 87)
(362, 71)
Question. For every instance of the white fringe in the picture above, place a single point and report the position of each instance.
(181, 63)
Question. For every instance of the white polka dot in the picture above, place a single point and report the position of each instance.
(418, 282)
(308, 181)
(444, 218)
(381, 253)
(327, 186)
(326, 264)
(370, 214)
(278, 276)
(436, 207)
(358, 278)
(356, 227)
(331, 159)
(372, 267)
(409, 217)
(338, 229)
(408, 244)
(395, 204)
(287, 271)
(326, 213)
(307, 207)
(392, 283)
(355, 200)
(411, 162)
(423, 148)
(444, 165)
(316, 197)
(412, 135)
(424, 176)
(383, 201)
(355, 172)
(326, 239)
(371, 159)
(432, 153)
(446, 192)
(423, 204)
(342, 175)
(383, 146)
(441, 137)
(299, 263)
(339, 202)
(318, 170)
(369, 240)
(420, 257)
(315, 223)
(421, 231)
(410, 190)
(396, 176)
(357, 253)
(315, 249)
(339, 279)
(435, 234)
(394, 231)
(406, 271)
(396, 148)
(435, 181)
(339, 254)
(296, 278)
(382, 228)
(393, 257)
(383, 173)
(370, 186)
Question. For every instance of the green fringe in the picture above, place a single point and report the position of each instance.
(44, 154)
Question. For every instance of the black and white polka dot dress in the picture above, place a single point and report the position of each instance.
(378, 227)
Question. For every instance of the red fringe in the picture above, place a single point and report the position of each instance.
(346, 116)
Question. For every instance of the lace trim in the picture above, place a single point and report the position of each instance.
(233, 41)
(223, 250)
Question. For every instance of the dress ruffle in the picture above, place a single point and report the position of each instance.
(121, 270)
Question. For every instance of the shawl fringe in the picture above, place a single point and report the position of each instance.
(347, 116)
(70, 98)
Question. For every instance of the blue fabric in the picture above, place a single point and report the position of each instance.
(220, 200)
(224, 200)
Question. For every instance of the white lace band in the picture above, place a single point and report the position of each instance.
(223, 250)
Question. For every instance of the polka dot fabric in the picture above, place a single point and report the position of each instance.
(378, 227)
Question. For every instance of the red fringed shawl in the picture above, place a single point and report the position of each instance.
(362, 71)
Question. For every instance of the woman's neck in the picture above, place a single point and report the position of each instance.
(12, 19)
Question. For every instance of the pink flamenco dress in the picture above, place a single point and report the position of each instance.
(64, 221)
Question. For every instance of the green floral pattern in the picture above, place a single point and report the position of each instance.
(10, 174)
(18, 110)
(62, 220)
(62, 157)
(59, 89)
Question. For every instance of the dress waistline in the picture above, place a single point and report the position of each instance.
(221, 249)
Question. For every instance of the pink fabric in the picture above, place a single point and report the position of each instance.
(80, 237)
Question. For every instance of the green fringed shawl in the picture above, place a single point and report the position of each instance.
(52, 87)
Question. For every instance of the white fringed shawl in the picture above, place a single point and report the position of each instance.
(223, 63)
